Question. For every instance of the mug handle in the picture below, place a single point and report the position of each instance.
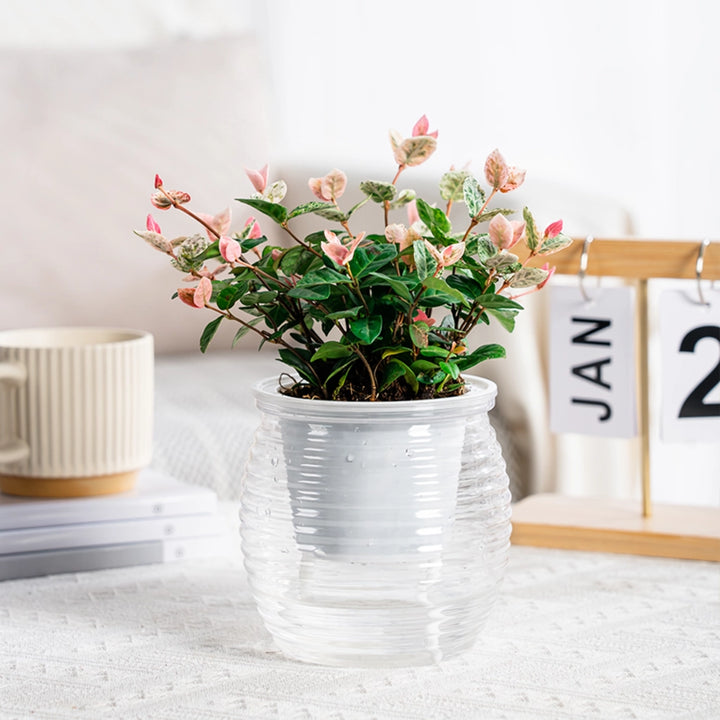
(15, 374)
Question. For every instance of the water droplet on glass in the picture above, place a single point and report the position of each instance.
(349, 458)
(274, 461)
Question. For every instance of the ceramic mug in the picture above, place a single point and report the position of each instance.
(76, 410)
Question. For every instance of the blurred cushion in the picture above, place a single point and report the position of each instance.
(82, 134)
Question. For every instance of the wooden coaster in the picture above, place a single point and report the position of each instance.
(68, 487)
(617, 526)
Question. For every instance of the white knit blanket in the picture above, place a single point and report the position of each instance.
(574, 635)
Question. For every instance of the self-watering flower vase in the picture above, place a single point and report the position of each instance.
(375, 533)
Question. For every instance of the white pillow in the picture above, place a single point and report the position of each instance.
(82, 134)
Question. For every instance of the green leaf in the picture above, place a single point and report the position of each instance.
(343, 379)
(295, 360)
(474, 195)
(505, 317)
(419, 333)
(273, 210)
(250, 243)
(490, 214)
(258, 298)
(389, 352)
(227, 296)
(317, 292)
(434, 351)
(425, 263)
(339, 367)
(408, 374)
(309, 207)
(367, 329)
(485, 248)
(399, 287)
(450, 369)
(498, 302)
(331, 350)
(323, 276)
(368, 260)
(501, 261)
(468, 286)
(349, 313)
(441, 286)
(421, 365)
(485, 352)
(378, 191)
(209, 332)
(555, 244)
(528, 277)
(357, 206)
(296, 260)
(532, 236)
(393, 371)
(403, 198)
(331, 213)
(451, 185)
(435, 219)
(244, 330)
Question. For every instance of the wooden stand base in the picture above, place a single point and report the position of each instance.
(617, 526)
(68, 487)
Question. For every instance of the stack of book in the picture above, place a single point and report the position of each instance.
(160, 520)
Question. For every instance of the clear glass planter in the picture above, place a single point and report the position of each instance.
(375, 534)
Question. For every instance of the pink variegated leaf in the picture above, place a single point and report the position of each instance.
(221, 221)
(229, 249)
(501, 232)
(437, 256)
(254, 230)
(553, 229)
(396, 233)
(160, 200)
(518, 227)
(258, 178)
(550, 272)
(179, 197)
(187, 295)
(152, 225)
(315, 185)
(412, 213)
(335, 250)
(516, 177)
(334, 184)
(155, 239)
(421, 316)
(452, 253)
(421, 127)
(203, 292)
(416, 150)
(496, 170)
(396, 141)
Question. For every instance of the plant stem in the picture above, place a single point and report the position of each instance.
(373, 381)
(287, 229)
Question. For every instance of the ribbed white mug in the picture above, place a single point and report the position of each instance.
(76, 410)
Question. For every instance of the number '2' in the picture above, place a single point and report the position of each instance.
(694, 405)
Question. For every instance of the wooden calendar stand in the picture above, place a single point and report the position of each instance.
(607, 525)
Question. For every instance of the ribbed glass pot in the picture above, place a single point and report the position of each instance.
(375, 534)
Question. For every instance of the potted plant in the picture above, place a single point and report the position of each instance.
(375, 513)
